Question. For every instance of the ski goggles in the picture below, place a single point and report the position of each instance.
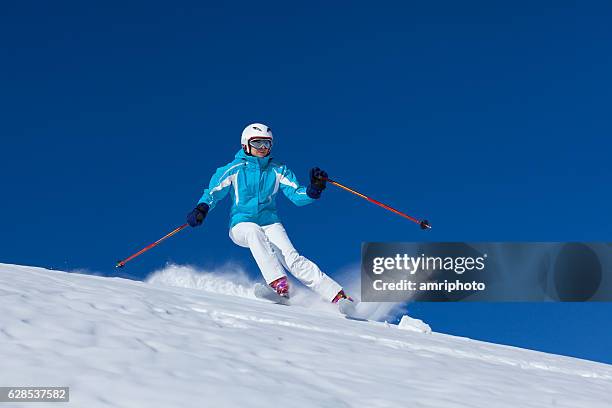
(261, 143)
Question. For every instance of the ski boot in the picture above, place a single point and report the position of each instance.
(341, 295)
(346, 304)
(281, 287)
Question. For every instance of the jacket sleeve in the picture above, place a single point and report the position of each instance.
(291, 188)
(219, 185)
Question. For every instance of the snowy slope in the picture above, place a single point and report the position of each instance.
(121, 343)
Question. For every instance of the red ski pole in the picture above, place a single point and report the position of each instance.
(121, 264)
(423, 223)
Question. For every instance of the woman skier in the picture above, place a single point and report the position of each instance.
(253, 180)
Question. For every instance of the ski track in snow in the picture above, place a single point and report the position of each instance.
(122, 343)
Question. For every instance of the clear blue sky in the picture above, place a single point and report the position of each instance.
(490, 119)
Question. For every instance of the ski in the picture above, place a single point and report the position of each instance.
(265, 292)
(349, 309)
(346, 307)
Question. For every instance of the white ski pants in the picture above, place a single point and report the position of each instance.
(274, 253)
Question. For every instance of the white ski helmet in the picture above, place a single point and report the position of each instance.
(255, 131)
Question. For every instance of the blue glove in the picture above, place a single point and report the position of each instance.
(196, 217)
(318, 180)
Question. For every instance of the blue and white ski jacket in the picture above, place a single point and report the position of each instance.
(253, 183)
